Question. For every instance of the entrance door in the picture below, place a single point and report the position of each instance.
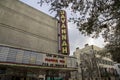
(58, 78)
(54, 78)
(15, 78)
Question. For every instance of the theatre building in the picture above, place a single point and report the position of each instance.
(33, 45)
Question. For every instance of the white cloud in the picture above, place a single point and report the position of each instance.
(78, 40)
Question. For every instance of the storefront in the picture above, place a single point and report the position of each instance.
(18, 73)
(19, 64)
(11, 73)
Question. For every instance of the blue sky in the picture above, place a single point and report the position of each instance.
(75, 37)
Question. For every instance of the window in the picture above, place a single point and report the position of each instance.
(118, 66)
(11, 57)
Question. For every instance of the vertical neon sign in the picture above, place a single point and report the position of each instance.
(64, 42)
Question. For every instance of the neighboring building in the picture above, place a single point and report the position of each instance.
(117, 67)
(94, 64)
(29, 44)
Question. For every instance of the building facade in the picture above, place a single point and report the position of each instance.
(117, 67)
(22, 26)
(94, 64)
(29, 45)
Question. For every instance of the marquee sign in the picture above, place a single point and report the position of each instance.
(55, 60)
(64, 43)
(14, 56)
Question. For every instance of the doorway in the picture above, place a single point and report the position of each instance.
(17, 78)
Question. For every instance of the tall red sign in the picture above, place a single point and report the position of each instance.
(64, 42)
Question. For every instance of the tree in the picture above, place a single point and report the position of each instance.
(114, 45)
(89, 65)
(93, 17)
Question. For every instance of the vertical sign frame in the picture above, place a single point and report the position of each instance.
(64, 41)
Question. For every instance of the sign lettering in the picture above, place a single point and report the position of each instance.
(63, 34)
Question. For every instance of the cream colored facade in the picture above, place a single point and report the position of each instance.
(29, 45)
(22, 26)
(96, 57)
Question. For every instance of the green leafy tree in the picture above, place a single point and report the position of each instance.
(94, 17)
(114, 45)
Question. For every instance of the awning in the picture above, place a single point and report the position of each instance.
(36, 66)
